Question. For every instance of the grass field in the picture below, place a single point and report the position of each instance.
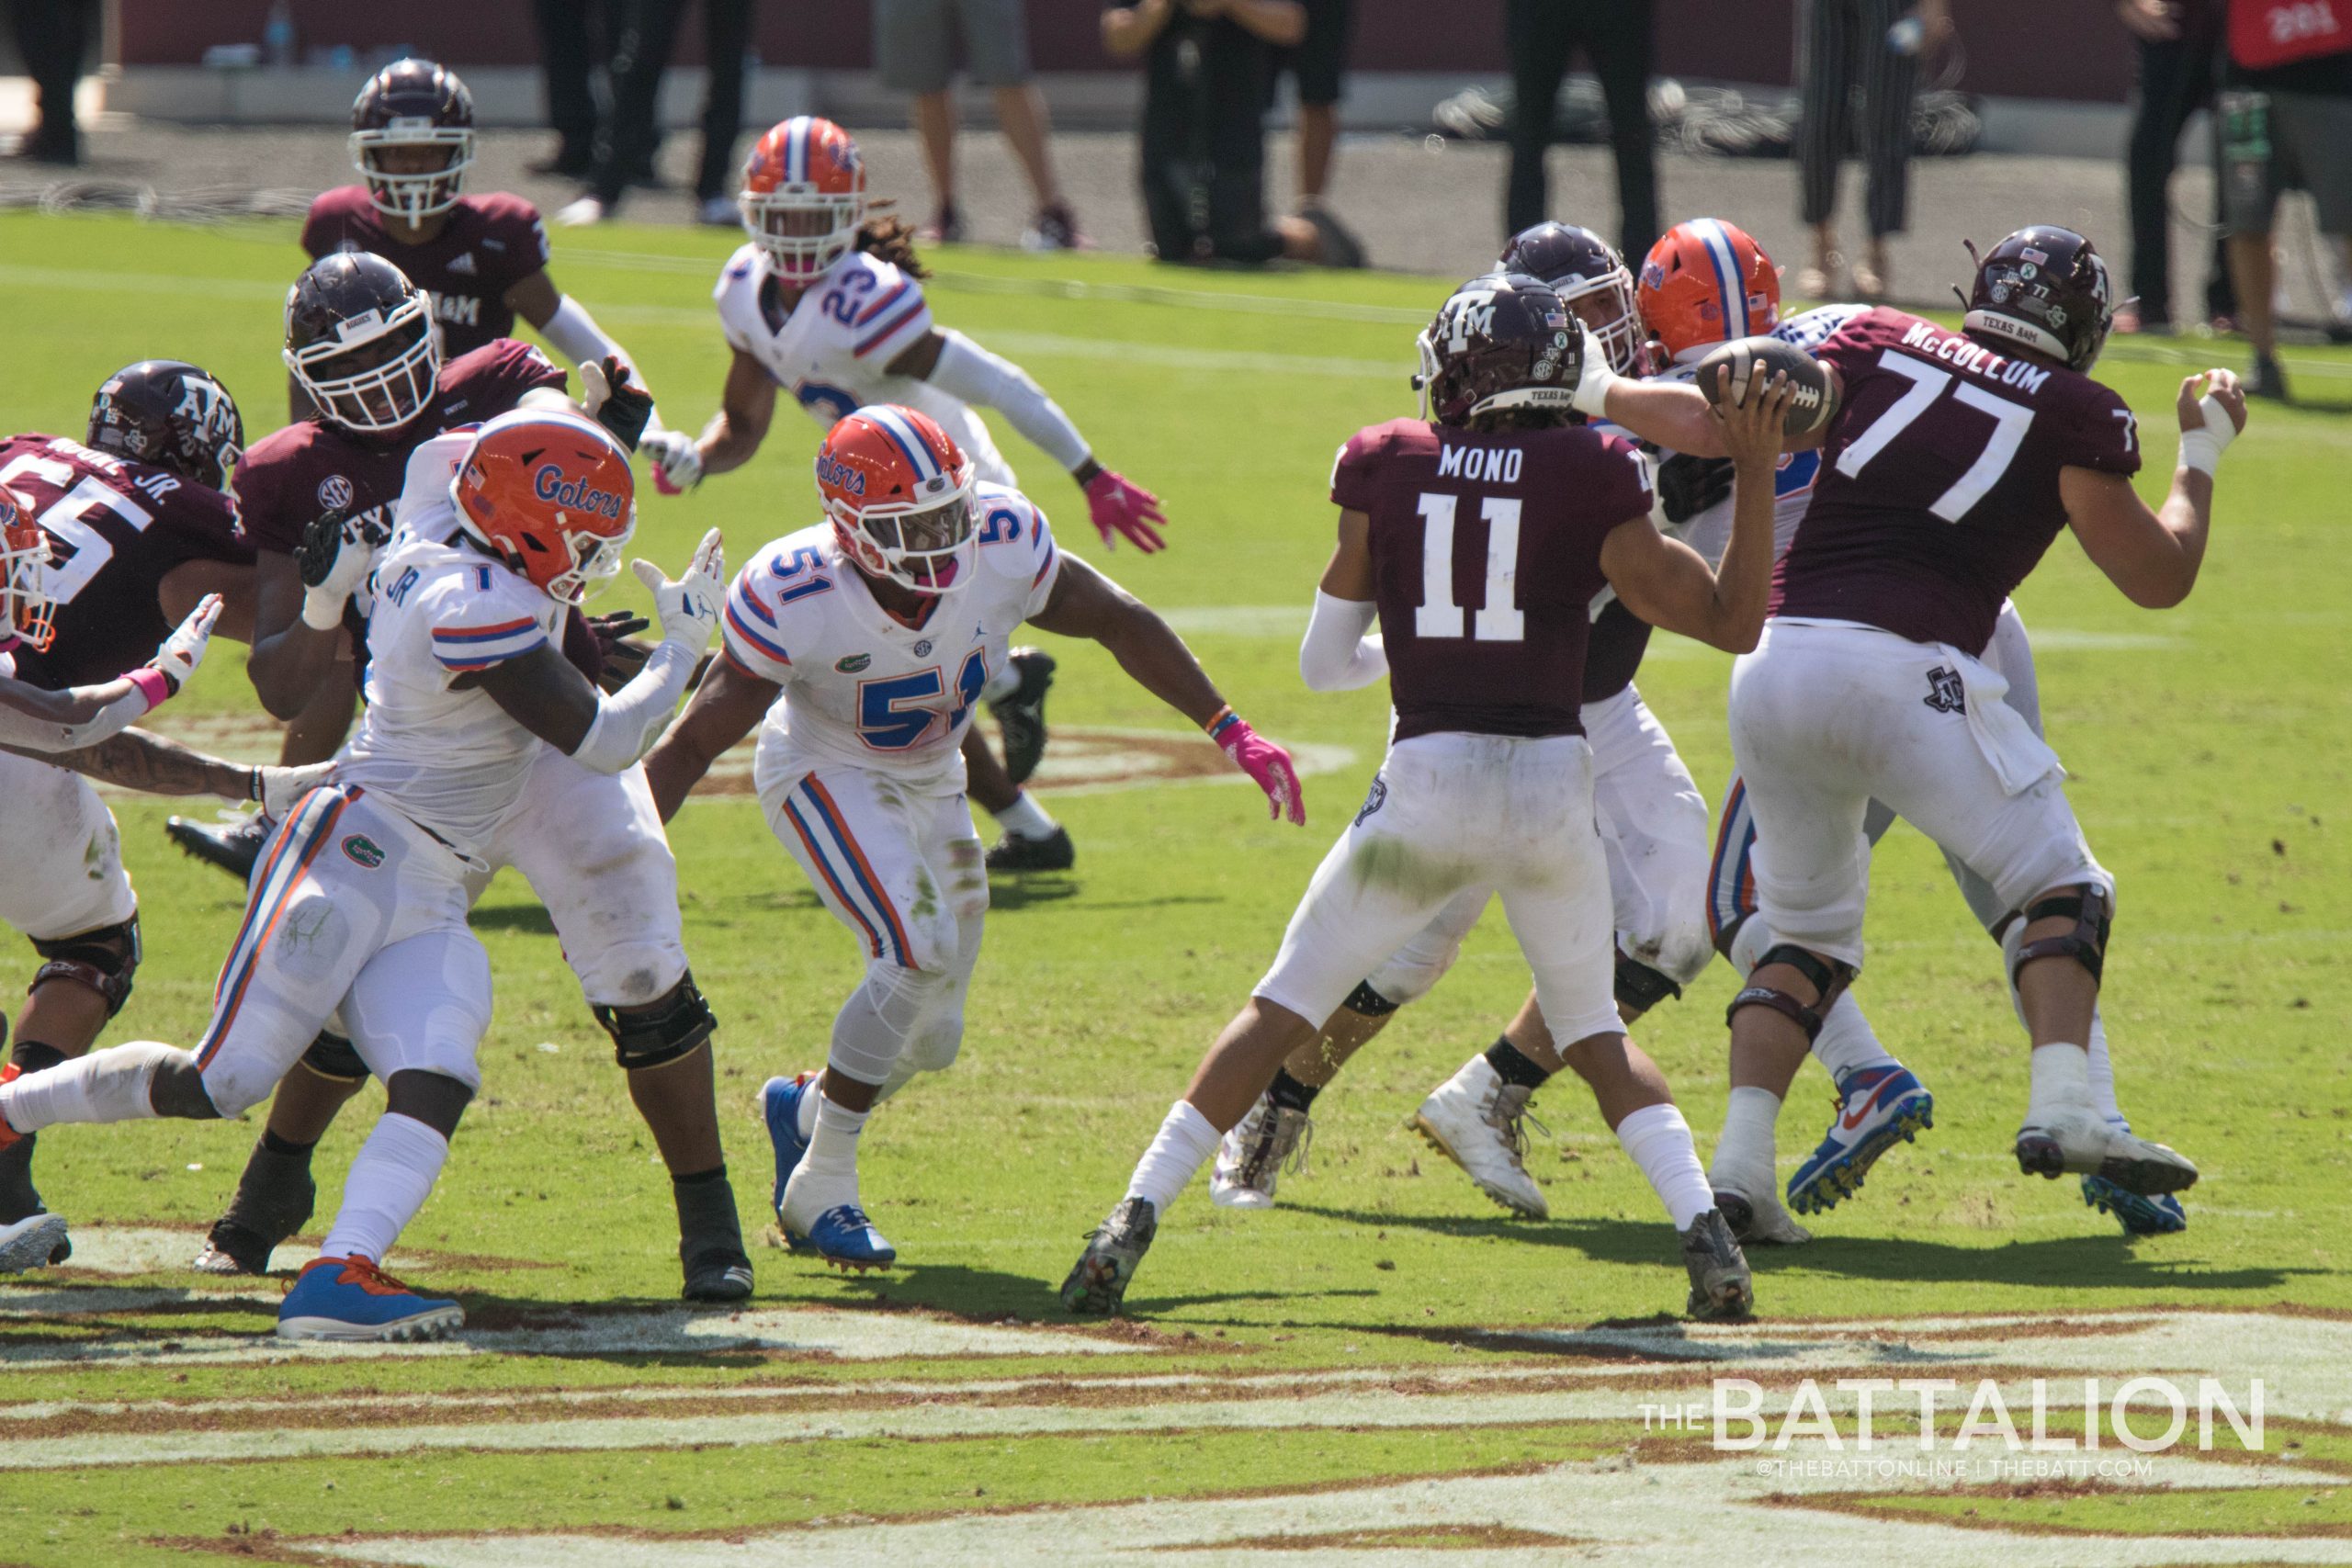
(1382, 1369)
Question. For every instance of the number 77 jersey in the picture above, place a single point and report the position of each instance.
(1939, 488)
(861, 688)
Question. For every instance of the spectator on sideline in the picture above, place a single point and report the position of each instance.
(643, 34)
(575, 43)
(55, 36)
(1539, 36)
(1317, 64)
(2179, 45)
(1876, 46)
(2286, 121)
(914, 43)
(1207, 65)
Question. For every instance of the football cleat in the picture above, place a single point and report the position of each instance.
(9, 1136)
(1021, 713)
(1721, 1288)
(351, 1299)
(1014, 854)
(1097, 1286)
(1877, 1108)
(843, 1237)
(2086, 1142)
(1270, 1140)
(1756, 1217)
(780, 1109)
(2161, 1215)
(710, 1243)
(231, 846)
(274, 1198)
(1474, 1118)
(34, 1242)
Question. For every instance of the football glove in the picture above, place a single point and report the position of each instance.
(1122, 509)
(677, 461)
(183, 649)
(1688, 485)
(279, 790)
(611, 394)
(337, 553)
(623, 656)
(1266, 763)
(1591, 397)
(688, 606)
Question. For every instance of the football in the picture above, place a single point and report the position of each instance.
(1763, 358)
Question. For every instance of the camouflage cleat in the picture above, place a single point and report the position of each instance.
(1270, 1140)
(273, 1199)
(1021, 713)
(1721, 1288)
(1014, 854)
(1097, 1286)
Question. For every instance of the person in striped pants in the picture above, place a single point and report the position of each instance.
(1870, 49)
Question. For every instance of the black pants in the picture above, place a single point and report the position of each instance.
(643, 35)
(1842, 44)
(1540, 36)
(53, 36)
(1203, 159)
(726, 45)
(575, 43)
(2176, 81)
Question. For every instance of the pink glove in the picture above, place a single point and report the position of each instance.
(1123, 509)
(1264, 761)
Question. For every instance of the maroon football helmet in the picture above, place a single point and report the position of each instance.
(2043, 288)
(413, 103)
(1583, 268)
(359, 341)
(1500, 342)
(170, 413)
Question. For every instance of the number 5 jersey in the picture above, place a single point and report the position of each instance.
(862, 689)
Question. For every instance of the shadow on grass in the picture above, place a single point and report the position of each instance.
(531, 918)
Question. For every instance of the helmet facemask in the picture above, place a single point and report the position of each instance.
(414, 196)
(926, 549)
(803, 230)
(26, 608)
(1606, 304)
(380, 370)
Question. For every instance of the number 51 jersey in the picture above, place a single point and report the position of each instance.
(862, 689)
(1486, 554)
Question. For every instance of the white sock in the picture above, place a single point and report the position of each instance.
(105, 1086)
(389, 1179)
(805, 1122)
(1184, 1143)
(2061, 1082)
(1744, 1154)
(1657, 1139)
(1846, 1043)
(2103, 1073)
(832, 1141)
(1025, 819)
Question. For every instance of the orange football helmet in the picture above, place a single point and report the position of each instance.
(1703, 283)
(25, 604)
(550, 494)
(899, 491)
(803, 195)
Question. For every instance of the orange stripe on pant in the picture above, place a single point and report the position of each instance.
(225, 1011)
(881, 895)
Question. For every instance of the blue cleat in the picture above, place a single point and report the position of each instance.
(350, 1298)
(845, 1238)
(780, 1107)
(1877, 1107)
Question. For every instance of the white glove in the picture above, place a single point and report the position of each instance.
(688, 607)
(335, 559)
(279, 790)
(676, 459)
(1591, 397)
(183, 649)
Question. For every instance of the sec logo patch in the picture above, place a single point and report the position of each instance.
(364, 850)
(334, 492)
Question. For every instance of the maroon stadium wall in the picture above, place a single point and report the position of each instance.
(2025, 49)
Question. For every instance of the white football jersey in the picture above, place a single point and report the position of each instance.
(451, 761)
(860, 688)
(832, 351)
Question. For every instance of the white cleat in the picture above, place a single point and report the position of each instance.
(34, 1242)
(1270, 1140)
(1750, 1205)
(1473, 1119)
(2082, 1140)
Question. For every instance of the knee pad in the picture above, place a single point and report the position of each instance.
(2091, 905)
(1368, 1002)
(1641, 987)
(661, 1032)
(882, 1018)
(104, 959)
(1829, 977)
(331, 1056)
(932, 1047)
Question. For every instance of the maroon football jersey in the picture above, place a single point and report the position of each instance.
(488, 245)
(1486, 554)
(116, 528)
(1939, 488)
(289, 477)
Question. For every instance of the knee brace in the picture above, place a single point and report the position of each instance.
(1368, 1002)
(1641, 987)
(333, 1056)
(881, 1018)
(104, 959)
(932, 1047)
(1829, 977)
(661, 1032)
(2093, 909)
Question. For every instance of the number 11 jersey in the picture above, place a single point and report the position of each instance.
(1486, 554)
(1938, 486)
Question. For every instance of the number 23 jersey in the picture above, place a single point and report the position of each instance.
(863, 690)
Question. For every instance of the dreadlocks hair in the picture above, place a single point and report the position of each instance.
(893, 239)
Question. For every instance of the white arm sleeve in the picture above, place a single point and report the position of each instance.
(967, 370)
(574, 333)
(17, 729)
(1335, 655)
(630, 720)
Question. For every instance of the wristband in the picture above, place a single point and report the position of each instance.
(1225, 718)
(320, 612)
(152, 684)
(253, 785)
